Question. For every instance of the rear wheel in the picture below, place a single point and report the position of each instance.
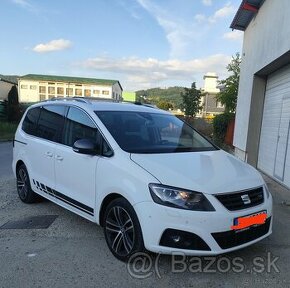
(24, 190)
(122, 229)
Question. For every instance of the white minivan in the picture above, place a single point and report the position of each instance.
(148, 178)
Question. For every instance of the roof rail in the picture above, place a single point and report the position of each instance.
(61, 98)
(95, 99)
(89, 100)
(140, 103)
(150, 105)
(132, 102)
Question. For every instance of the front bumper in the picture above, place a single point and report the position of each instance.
(214, 228)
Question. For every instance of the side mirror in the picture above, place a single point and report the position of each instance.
(85, 146)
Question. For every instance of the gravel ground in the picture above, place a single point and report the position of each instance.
(72, 252)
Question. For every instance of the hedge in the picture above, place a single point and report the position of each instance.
(220, 126)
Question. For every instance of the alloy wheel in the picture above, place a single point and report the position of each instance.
(22, 183)
(119, 228)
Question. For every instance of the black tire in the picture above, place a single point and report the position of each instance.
(122, 229)
(24, 190)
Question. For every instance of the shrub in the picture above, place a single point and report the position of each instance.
(220, 126)
(7, 130)
(200, 124)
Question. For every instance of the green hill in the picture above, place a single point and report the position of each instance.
(154, 95)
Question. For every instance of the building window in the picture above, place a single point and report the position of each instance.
(51, 90)
(79, 92)
(51, 83)
(60, 91)
(42, 97)
(105, 92)
(24, 86)
(219, 105)
(51, 96)
(42, 89)
(96, 92)
(33, 87)
(69, 91)
(87, 92)
(78, 85)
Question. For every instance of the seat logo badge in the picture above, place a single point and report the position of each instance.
(246, 199)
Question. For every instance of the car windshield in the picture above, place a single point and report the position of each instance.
(143, 132)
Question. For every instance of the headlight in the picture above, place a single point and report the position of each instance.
(267, 191)
(179, 198)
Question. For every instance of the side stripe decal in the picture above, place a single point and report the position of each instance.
(64, 198)
(15, 140)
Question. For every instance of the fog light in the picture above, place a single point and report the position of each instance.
(182, 240)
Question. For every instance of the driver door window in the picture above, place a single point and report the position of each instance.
(79, 126)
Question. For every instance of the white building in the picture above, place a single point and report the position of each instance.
(33, 88)
(210, 90)
(262, 131)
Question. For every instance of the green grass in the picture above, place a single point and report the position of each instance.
(7, 130)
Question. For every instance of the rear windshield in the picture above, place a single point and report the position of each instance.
(143, 132)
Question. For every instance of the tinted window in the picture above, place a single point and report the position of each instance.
(106, 149)
(51, 122)
(79, 126)
(139, 132)
(30, 121)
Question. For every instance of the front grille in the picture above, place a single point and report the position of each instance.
(234, 201)
(234, 238)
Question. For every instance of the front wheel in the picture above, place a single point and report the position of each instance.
(122, 229)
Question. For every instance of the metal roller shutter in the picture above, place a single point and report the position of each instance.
(274, 149)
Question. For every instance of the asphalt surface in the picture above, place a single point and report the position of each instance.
(5, 160)
(72, 252)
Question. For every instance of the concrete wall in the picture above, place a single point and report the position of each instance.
(255, 119)
(118, 91)
(211, 105)
(266, 38)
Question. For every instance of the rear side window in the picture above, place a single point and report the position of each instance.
(30, 121)
(50, 123)
(79, 126)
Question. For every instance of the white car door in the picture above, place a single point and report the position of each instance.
(75, 173)
(41, 146)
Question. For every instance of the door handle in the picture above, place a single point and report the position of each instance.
(58, 157)
(48, 154)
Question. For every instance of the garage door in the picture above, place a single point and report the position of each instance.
(274, 149)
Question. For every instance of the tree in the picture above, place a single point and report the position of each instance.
(229, 87)
(13, 108)
(165, 105)
(191, 100)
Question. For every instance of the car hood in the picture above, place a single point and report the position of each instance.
(210, 172)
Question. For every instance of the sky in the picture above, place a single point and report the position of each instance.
(141, 43)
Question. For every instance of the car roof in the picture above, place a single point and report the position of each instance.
(103, 105)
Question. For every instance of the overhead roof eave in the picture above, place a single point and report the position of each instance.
(247, 10)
